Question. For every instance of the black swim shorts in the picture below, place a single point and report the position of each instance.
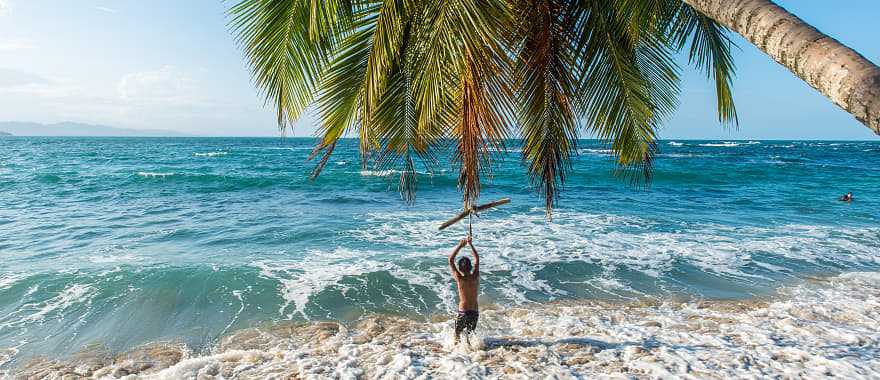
(466, 321)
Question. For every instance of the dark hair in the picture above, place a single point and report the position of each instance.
(464, 265)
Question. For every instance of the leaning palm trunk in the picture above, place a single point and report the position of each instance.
(838, 72)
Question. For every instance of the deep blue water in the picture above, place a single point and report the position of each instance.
(121, 241)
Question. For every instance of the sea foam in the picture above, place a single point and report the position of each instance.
(519, 248)
(75, 295)
(9, 279)
(820, 329)
(526, 239)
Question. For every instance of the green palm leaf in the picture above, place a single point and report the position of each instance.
(710, 50)
(545, 80)
(342, 85)
(285, 57)
(628, 85)
(461, 82)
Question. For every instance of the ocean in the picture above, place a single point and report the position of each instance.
(218, 257)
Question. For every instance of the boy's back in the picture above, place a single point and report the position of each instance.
(467, 279)
(468, 287)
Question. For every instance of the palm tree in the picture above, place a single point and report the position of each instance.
(838, 72)
(412, 78)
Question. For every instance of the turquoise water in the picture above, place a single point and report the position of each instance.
(123, 241)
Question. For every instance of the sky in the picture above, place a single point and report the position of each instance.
(170, 64)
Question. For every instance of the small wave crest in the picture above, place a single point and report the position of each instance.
(596, 151)
(378, 173)
(210, 154)
(726, 144)
(730, 144)
(110, 258)
(10, 279)
(154, 174)
(386, 173)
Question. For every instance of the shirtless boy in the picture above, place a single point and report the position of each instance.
(467, 278)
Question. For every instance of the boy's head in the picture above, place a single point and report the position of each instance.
(464, 265)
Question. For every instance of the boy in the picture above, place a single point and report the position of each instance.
(467, 278)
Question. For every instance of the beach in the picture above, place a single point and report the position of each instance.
(822, 328)
(219, 258)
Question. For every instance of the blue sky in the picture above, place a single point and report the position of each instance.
(173, 64)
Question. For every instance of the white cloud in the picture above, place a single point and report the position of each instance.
(16, 78)
(170, 95)
(166, 93)
(164, 86)
(167, 97)
(4, 7)
(102, 9)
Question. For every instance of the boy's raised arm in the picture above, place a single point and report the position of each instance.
(476, 255)
(452, 255)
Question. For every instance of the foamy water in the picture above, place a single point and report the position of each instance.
(824, 328)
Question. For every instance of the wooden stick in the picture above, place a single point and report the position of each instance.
(489, 205)
(465, 213)
(455, 219)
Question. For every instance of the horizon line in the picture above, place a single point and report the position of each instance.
(355, 138)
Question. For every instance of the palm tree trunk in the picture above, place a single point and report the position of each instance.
(838, 72)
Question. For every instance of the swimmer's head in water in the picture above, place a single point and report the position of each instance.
(464, 265)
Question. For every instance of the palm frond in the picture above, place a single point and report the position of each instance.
(546, 84)
(460, 82)
(286, 58)
(330, 17)
(342, 86)
(394, 123)
(629, 85)
(436, 64)
(710, 51)
(386, 50)
(483, 122)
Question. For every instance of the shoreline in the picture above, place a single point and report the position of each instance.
(823, 327)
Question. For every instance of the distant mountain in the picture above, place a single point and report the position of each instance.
(77, 129)
(5, 133)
